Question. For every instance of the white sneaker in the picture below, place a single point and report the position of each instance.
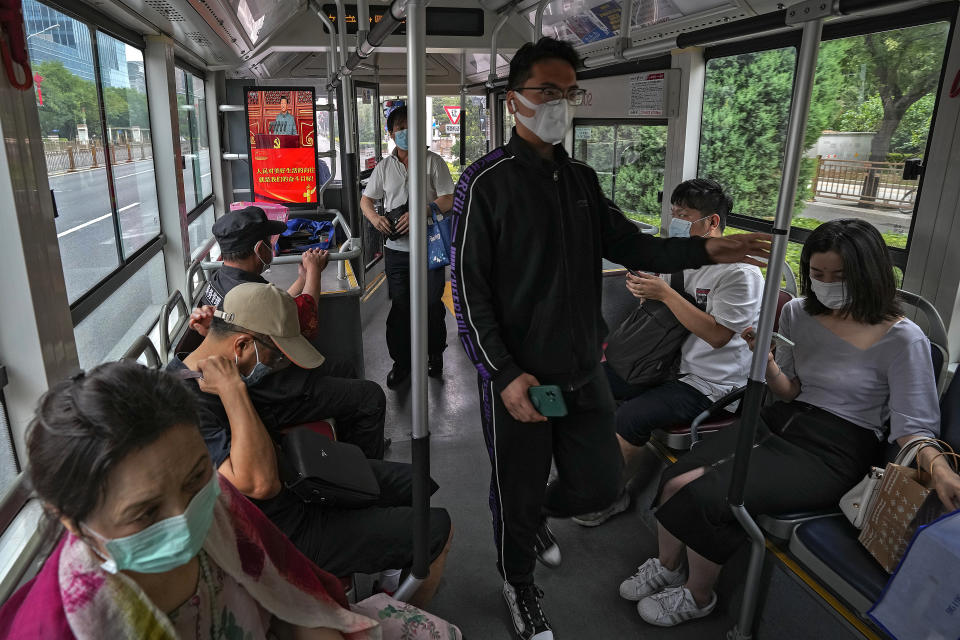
(672, 606)
(650, 578)
(596, 518)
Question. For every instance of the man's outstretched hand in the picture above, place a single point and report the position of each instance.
(741, 247)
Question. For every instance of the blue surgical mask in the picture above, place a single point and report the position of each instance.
(167, 544)
(832, 295)
(260, 370)
(400, 137)
(680, 228)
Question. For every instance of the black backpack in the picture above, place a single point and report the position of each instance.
(645, 348)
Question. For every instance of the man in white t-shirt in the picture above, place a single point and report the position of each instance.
(714, 359)
(389, 182)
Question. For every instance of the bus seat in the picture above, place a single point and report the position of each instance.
(715, 417)
(829, 546)
(143, 347)
(323, 427)
(932, 325)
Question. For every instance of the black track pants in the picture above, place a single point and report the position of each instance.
(588, 460)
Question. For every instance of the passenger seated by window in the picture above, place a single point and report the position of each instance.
(244, 239)
(158, 544)
(714, 359)
(859, 372)
(328, 391)
(262, 337)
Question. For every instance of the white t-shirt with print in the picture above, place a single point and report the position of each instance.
(732, 295)
(389, 182)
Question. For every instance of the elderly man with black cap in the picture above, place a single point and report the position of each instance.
(298, 394)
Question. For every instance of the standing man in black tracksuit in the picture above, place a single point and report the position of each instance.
(531, 228)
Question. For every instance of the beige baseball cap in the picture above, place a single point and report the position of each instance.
(263, 308)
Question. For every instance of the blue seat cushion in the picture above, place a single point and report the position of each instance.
(834, 541)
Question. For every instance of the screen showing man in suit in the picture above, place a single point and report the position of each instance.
(283, 157)
(284, 124)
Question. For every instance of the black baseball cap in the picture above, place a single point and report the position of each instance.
(239, 231)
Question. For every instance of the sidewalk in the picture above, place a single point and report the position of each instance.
(885, 220)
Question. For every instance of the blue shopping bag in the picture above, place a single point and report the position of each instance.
(438, 239)
(303, 234)
(922, 598)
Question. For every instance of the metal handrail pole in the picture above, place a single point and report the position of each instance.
(492, 75)
(417, 189)
(799, 112)
(538, 20)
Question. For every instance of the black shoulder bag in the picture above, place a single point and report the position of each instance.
(645, 348)
(322, 471)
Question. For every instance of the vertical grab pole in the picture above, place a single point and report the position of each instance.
(416, 184)
(348, 107)
(799, 110)
(538, 20)
(462, 136)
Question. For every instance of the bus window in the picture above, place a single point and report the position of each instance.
(192, 107)
(871, 111)
(475, 120)
(128, 137)
(129, 312)
(368, 125)
(629, 160)
(326, 138)
(68, 102)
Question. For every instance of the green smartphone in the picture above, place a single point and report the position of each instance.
(548, 400)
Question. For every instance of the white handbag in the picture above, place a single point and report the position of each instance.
(856, 503)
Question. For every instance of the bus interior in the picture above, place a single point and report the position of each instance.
(125, 129)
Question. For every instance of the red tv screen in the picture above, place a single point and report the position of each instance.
(283, 159)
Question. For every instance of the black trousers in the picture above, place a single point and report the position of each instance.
(396, 265)
(804, 458)
(368, 540)
(588, 460)
(293, 396)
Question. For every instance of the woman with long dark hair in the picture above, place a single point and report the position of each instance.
(859, 373)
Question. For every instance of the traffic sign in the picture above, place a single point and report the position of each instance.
(452, 128)
(453, 113)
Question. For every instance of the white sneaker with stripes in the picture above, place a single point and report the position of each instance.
(650, 578)
(672, 606)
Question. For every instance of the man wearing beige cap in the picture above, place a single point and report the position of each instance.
(255, 334)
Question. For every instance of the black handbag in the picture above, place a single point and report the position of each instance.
(645, 348)
(322, 471)
(393, 216)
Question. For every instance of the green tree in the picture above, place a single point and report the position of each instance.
(905, 66)
(68, 100)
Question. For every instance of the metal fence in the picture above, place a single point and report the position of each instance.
(875, 183)
(66, 158)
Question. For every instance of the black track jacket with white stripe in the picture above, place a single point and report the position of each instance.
(526, 265)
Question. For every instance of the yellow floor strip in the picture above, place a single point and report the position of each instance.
(373, 286)
(828, 597)
(448, 297)
(351, 278)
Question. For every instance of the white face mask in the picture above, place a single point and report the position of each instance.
(550, 120)
(680, 228)
(832, 295)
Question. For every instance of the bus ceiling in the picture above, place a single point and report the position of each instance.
(262, 39)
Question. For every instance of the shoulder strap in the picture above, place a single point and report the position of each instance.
(676, 281)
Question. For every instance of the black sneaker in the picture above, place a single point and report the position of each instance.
(524, 605)
(397, 376)
(548, 551)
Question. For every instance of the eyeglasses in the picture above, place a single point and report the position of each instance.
(278, 357)
(550, 94)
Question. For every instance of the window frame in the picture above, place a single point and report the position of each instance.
(95, 21)
(183, 65)
(944, 12)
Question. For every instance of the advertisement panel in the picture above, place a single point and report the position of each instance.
(283, 157)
